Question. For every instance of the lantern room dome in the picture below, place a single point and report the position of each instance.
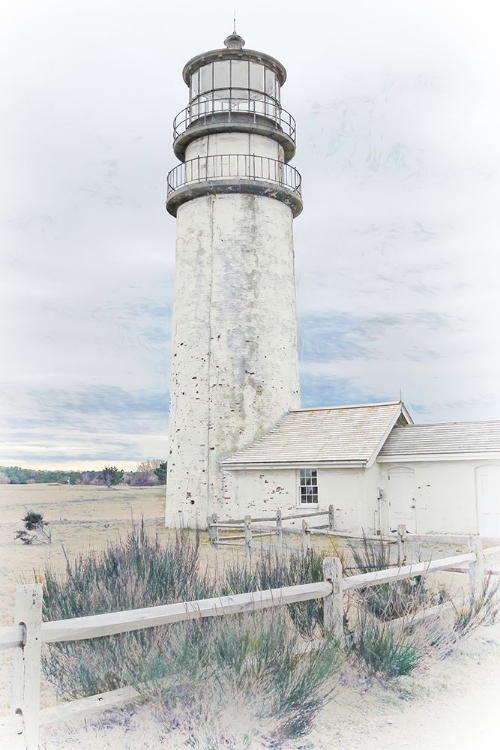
(234, 41)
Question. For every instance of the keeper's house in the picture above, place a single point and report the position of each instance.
(376, 467)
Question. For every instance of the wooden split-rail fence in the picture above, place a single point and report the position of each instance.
(249, 532)
(26, 637)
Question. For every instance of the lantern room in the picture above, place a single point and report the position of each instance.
(234, 87)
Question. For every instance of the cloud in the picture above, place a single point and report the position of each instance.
(398, 115)
(49, 426)
(318, 390)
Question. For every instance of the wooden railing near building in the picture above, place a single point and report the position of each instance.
(26, 637)
(245, 531)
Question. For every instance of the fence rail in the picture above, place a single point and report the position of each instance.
(25, 639)
(252, 527)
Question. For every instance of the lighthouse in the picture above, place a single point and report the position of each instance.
(234, 366)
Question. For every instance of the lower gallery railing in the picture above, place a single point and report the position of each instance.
(234, 166)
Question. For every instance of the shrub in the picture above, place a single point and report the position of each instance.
(268, 569)
(144, 479)
(242, 678)
(34, 522)
(223, 680)
(478, 610)
(383, 649)
(138, 572)
(389, 601)
(382, 646)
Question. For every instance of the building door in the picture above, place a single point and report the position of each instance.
(488, 500)
(401, 497)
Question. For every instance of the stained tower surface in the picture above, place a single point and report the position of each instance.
(234, 365)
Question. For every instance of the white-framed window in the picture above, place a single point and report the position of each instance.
(308, 487)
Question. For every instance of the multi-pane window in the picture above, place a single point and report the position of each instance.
(308, 487)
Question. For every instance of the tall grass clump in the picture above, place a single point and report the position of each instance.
(269, 569)
(385, 650)
(482, 609)
(389, 601)
(131, 574)
(236, 680)
(380, 645)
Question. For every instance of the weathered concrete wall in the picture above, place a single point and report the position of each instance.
(445, 495)
(261, 493)
(234, 356)
(234, 143)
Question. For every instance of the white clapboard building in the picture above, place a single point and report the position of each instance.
(376, 467)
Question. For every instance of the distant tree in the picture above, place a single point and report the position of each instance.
(143, 479)
(16, 475)
(145, 474)
(4, 479)
(150, 465)
(161, 472)
(90, 477)
(110, 475)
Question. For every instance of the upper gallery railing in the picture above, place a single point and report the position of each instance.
(230, 109)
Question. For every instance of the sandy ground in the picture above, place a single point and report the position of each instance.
(452, 703)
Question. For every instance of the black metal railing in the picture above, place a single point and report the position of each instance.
(229, 109)
(242, 166)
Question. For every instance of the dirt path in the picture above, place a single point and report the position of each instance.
(454, 703)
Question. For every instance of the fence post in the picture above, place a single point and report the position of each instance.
(306, 537)
(330, 518)
(248, 536)
(26, 678)
(215, 537)
(210, 530)
(279, 530)
(401, 544)
(476, 569)
(333, 611)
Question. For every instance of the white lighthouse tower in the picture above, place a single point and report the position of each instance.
(234, 354)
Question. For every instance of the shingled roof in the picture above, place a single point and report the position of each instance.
(446, 440)
(332, 436)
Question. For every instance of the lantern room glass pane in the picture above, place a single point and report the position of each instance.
(195, 84)
(256, 77)
(239, 74)
(270, 83)
(222, 74)
(220, 96)
(206, 78)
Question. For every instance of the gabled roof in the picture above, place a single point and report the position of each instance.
(329, 436)
(444, 441)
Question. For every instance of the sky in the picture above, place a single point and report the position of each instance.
(397, 250)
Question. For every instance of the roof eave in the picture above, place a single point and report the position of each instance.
(470, 456)
(272, 465)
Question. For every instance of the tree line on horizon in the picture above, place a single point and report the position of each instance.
(149, 473)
